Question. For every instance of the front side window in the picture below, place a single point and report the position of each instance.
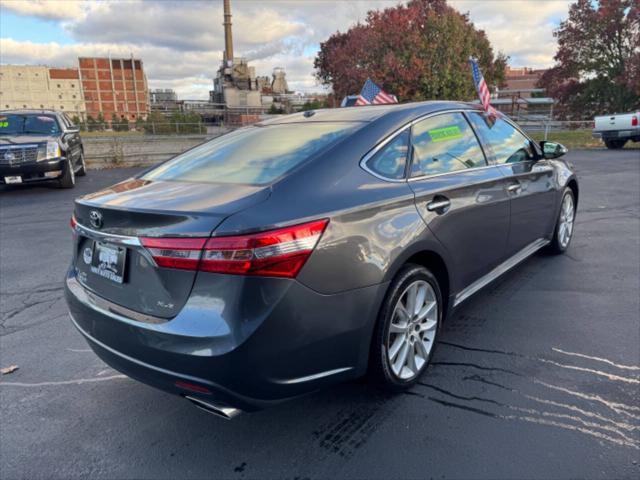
(444, 143)
(391, 160)
(254, 155)
(507, 144)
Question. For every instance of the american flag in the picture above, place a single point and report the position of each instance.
(481, 88)
(371, 93)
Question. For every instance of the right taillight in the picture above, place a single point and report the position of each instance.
(275, 253)
(634, 121)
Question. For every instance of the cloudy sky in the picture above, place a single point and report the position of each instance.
(181, 42)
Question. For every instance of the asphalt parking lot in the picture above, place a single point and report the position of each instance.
(537, 376)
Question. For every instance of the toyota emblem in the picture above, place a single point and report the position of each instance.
(95, 218)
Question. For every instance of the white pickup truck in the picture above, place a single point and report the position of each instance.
(616, 130)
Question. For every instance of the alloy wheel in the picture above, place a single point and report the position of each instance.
(412, 331)
(567, 214)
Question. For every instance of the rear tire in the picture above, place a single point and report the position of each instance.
(615, 144)
(407, 329)
(68, 179)
(563, 232)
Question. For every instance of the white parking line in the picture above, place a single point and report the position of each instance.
(63, 382)
(597, 359)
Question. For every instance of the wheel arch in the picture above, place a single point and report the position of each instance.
(429, 255)
(434, 262)
(573, 185)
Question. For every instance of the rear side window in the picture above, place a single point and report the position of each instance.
(66, 120)
(391, 160)
(444, 143)
(252, 155)
(507, 145)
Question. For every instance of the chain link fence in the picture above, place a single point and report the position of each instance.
(571, 133)
(156, 128)
(527, 123)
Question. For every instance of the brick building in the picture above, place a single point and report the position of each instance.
(522, 79)
(114, 86)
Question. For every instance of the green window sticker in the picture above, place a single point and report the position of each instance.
(445, 133)
(4, 124)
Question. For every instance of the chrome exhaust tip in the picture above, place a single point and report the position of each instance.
(227, 413)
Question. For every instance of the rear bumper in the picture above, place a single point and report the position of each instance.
(626, 134)
(34, 171)
(269, 340)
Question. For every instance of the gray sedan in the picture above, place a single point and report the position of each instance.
(310, 249)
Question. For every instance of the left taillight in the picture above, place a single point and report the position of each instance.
(274, 253)
(73, 223)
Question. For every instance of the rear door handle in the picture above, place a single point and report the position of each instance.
(439, 204)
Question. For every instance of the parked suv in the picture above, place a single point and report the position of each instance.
(39, 145)
(310, 249)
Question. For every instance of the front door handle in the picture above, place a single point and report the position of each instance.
(514, 188)
(439, 204)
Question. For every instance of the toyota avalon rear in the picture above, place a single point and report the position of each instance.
(310, 249)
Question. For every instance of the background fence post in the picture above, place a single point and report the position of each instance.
(546, 131)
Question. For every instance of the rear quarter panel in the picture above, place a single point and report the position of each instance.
(373, 223)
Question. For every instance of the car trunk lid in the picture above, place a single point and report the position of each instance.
(110, 259)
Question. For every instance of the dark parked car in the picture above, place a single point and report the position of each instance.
(39, 145)
(310, 249)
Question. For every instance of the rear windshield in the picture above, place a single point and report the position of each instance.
(252, 155)
(28, 124)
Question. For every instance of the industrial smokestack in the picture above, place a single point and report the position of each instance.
(228, 39)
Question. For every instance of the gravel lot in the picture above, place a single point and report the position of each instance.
(537, 376)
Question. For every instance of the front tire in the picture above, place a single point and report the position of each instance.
(563, 232)
(407, 329)
(68, 179)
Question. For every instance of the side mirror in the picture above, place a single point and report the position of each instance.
(552, 150)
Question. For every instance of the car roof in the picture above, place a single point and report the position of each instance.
(367, 113)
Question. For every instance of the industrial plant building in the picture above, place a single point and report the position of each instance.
(163, 99)
(107, 86)
(238, 93)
